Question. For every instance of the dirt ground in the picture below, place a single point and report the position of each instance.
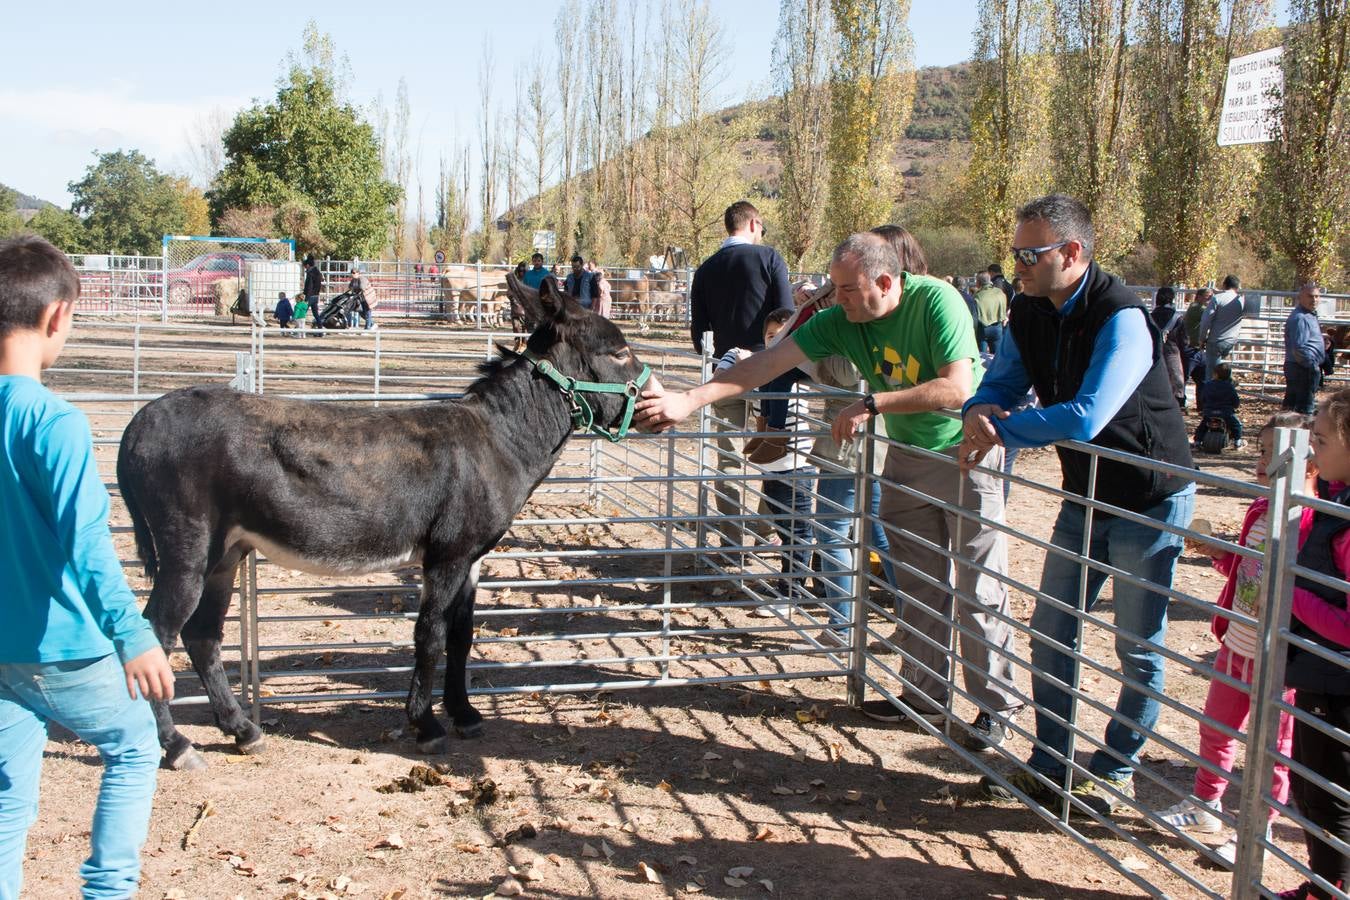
(755, 789)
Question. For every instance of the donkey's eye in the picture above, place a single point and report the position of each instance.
(622, 353)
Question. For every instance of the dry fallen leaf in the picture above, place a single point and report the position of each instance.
(881, 807)
(607, 850)
(589, 852)
(764, 834)
(782, 789)
(665, 786)
(735, 882)
(1134, 863)
(768, 885)
(391, 841)
(836, 751)
(741, 871)
(689, 888)
(466, 847)
(710, 756)
(852, 796)
(687, 860)
(509, 888)
(648, 873)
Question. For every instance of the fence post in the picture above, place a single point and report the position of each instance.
(862, 563)
(164, 281)
(1086, 551)
(377, 367)
(478, 295)
(1287, 474)
(704, 423)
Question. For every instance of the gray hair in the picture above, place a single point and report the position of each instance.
(1068, 217)
(875, 255)
(982, 280)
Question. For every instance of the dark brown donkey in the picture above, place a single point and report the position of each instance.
(208, 474)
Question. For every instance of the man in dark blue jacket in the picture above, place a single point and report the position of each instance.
(732, 294)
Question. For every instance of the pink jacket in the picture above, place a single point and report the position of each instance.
(1227, 564)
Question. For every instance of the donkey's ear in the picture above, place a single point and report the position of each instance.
(556, 304)
(526, 296)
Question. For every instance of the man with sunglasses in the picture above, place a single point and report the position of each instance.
(1088, 348)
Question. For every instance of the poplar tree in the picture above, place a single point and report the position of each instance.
(1008, 123)
(802, 60)
(872, 98)
(1191, 189)
(1096, 145)
(1305, 171)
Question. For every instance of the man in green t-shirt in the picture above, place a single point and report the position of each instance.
(913, 340)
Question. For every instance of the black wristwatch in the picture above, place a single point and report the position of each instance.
(870, 402)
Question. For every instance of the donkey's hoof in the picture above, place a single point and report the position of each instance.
(188, 761)
(434, 746)
(251, 746)
(470, 731)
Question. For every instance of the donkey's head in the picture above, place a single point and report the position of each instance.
(584, 348)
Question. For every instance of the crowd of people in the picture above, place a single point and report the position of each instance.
(1094, 359)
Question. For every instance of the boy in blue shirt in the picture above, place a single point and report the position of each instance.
(74, 648)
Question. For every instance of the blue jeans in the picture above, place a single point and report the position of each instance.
(90, 698)
(833, 527)
(1144, 552)
(993, 334)
(791, 496)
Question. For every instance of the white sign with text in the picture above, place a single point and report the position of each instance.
(1250, 97)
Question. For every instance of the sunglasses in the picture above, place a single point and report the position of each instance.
(1029, 256)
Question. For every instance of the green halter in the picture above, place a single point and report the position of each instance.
(582, 414)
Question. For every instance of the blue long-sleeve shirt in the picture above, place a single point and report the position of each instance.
(1121, 357)
(64, 596)
(1303, 338)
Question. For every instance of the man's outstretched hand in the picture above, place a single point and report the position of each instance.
(661, 411)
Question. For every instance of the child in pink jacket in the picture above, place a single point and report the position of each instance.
(1226, 703)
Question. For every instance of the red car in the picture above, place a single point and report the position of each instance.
(193, 280)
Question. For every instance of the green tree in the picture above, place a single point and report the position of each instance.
(127, 204)
(872, 98)
(1191, 190)
(62, 227)
(1305, 171)
(802, 62)
(10, 222)
(1009, 119)
(1096, 146)
(309, 146)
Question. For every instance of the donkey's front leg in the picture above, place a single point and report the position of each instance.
(202, 636)
(459, 620)
(440, 582)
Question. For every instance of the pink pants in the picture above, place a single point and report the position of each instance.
(1230, 706)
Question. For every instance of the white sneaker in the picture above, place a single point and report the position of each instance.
(1227, 851)
(1194, 814)
(773, 611)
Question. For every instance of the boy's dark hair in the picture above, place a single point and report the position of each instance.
(1232, 283)
(538, 256)
(995, 269)
(778, 316)
(33, 273)
(739, 215)
(1223, 372)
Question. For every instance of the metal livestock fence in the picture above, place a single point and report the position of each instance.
(621, 573)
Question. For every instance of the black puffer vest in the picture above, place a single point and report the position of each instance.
(1306, 671)
(1150, 422)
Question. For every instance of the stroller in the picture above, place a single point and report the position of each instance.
(336, 313)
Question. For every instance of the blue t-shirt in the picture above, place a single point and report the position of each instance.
(535, 277)
(64, 594)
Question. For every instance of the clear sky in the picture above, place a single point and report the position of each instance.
(84, 76)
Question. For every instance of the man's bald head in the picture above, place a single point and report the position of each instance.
(871, 253)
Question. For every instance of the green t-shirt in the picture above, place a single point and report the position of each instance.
(930, 330)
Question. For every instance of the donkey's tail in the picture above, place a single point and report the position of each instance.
(145, 539)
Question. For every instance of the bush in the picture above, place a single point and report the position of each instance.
(952, 250)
